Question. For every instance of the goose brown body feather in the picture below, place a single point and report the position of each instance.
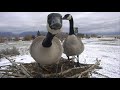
(73, 46)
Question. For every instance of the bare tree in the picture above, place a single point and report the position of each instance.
(38, 33)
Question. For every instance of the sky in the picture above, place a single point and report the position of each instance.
(87, 22)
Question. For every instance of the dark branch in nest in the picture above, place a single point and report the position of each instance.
(100, 74)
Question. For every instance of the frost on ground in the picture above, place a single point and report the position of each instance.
(106, 51)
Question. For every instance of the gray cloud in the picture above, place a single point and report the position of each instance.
(87, 22)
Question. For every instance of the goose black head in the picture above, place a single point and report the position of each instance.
(54, 21)
(67, 17)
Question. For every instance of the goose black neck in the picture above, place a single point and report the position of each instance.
(71, 32)
(47, 42)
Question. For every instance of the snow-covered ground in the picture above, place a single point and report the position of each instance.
(106, 51)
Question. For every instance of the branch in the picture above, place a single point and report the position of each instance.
(5, 66)
(15, 75)
(100, 74)
(90, 69)
(73, 72)
(85, 73)
(66, 73)
(6, 70)
(21, 67)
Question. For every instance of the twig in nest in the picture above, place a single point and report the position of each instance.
(65, 73)
(6, 70)
(21, 67)
(15, 75)
(85, 74)
(73, 72)
(90, 69)
(2, 75)
(62, 67)
(43, 68)
(100, 74)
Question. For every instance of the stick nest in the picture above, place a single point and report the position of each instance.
(66, 69)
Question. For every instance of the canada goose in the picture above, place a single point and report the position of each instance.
(48, 49)
(72, 45)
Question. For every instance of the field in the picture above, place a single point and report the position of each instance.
(108, 51)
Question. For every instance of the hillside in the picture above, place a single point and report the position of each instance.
(10, 34)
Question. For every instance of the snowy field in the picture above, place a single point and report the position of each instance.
(106, 51)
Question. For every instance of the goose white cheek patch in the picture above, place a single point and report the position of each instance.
(69, 18)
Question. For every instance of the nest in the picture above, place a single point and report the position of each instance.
(64, 69)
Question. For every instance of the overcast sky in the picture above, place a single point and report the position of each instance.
(87, 22)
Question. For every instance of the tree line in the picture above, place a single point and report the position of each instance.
(61, 36)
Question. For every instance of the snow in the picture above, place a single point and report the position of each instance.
(4, 62)
(24, 59)
(18, 59)
(106, 51)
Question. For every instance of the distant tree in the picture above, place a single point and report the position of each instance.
(38, 33)
(10, 38)
(27, 38)
(93, 35)
(16, 38)
(76, 30)
(2, 40)
(80, 35)
(33, 36)
(99, 37)
(87, 36)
